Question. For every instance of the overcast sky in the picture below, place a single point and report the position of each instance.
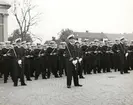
(111, 16)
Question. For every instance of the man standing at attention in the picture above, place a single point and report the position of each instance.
(71, 62)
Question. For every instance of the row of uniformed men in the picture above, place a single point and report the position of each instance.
(23, 58)
(106, 56)
(27, 59)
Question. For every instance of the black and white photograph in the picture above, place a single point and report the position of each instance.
(66, 52)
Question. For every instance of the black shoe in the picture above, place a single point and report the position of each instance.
(127, 72)
(36, 78)
(68, 86)
(82, 77)
(23, 84)
(44, 78)
(79, 85)
(56, 76)
(60, 75)
(121, 72)
(29, 80)
(5, 81)
(15, 85)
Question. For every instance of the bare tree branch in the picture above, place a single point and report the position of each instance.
(23, 14)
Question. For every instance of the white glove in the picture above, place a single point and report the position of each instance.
(19, 62)
(126, 54)
(80, 59)
(74, 62)
(5, 55)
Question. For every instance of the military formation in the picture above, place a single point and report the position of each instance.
(23, 61)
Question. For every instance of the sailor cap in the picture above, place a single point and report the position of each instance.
(96, 40)
(122, 38)
(70, 36)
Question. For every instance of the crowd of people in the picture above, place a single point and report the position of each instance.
(23, 60)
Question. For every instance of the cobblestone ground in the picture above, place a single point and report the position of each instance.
(98, 89)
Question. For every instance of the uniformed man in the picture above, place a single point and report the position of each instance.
(19, 54)
(10, 58)
(79, 63)
(71, 62)
(105, 56)
(51, 52)
(27, 61)
(61, 58)
(116, 58)
(32, 59)
(123, 54)
(37, 60)
(96, 53)
(131, 55)
(1, 59)
(84, 49)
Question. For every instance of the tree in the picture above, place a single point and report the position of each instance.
(16, 34)
(64, 34)
(23, 11)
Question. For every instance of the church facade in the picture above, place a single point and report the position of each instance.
(4, 21)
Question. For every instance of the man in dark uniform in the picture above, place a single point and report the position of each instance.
(96, 53)
(37, 60)
(27, 61)
(84, 51)
(1, 60)
(123, 53)
(41, 69)
(79, 63)
(61, 58)
(43, 61)
(19, 53)
(32, 60)
(116, 58)
(105, 62)
(71, 62)
(6, 60)
(10, 58)
(131, 55)
(52, 59)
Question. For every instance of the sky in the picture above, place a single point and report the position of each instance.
(108, 16)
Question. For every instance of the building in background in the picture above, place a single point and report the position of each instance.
(93, 35)
(90, 35)
(4, 20)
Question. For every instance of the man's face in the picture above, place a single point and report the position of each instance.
(52, 44)
(123, 41)
(28, 45)
(117, 41)
(19, 44)
(39, 46)
(106, 42)
(8, 45)
(72, 40)
(132, 43)
(78, 44)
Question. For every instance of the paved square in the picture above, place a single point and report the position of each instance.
(98, 89)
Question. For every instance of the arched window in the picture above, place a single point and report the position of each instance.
(1, 27)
